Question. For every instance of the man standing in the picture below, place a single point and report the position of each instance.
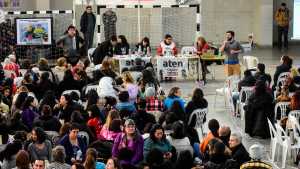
(282, 18)
(87, 26)
(232, 48)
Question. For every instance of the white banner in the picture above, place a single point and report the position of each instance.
(172, 67)
(130, 61)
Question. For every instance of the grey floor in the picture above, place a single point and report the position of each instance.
(270, 57)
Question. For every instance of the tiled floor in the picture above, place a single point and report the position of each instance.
(271, 58)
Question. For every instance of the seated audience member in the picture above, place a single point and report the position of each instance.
(106, 48)
(261, 72)
(293, 83)
(39, 164)
(8, 154)
(106, 88)
(213, 126)
(65, 107)
(122, 46)
(41, 148)
(224, 134)
(47, 121)
(284, 95)
(4, 108)
(143, 120)
(129, 144)
(22, 160)
(78, 118)
(198, 102)
(138, 67)
(11, 65)
(95, 123)
(157, 140)
(43, 66)
(106, 69)
(77, 166)
(179, 139)
(285, 66)
(185, 160)
(16, 124)
(92, 99)
(256, 154)
(29, 111)
(74, 145)
(29, 83)
(60, 68)
(58, 160)
(124, 106)
(156, 160)
(152, 102)
(167, 47)
(239, 152)
(175, 113)
(174, 94)
(219, 159)
(48, 99)
(128, 84)
(247, 81)
(147, 80)
(259, 108)
(111, 129)
(91, 160)
(68, 83)
(143, 48)
(295, 101)
(113, 163)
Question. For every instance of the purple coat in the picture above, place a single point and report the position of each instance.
(28, 115)
(136, 146)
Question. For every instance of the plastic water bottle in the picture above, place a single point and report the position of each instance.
(79, 155)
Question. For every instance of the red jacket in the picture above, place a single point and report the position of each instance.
(163, 48)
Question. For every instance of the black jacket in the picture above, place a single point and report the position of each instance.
(48, 123)
(246, 82)
(240, 154)
(191, 106)
(122, 47)
(280, 69)
(259, 108)
(221, 162)
(84, 22)
(103, 49)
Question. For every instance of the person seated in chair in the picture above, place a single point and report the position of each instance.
(167, 47)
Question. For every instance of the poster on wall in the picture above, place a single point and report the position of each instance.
(172, 67)
(34, 31)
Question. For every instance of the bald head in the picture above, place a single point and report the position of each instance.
(224, 131)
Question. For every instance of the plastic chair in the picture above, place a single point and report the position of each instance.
(250, 62)
(282, 106)
(247, 92)
(90, 53)
(90, 87)
(273, 144)
(136, 75)
(70, 91)
(200, 114)
(282, 78)
(84, 135)
(188, 50)
(295, 113)
(285, 142)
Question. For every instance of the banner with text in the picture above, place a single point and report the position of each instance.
(129, 62)
(172, 67)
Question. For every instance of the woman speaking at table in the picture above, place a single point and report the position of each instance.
(202, 47)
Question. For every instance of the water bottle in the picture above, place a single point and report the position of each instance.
(79, 155)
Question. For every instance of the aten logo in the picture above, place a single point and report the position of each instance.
(171, 63)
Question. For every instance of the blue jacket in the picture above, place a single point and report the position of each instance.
(169, 102)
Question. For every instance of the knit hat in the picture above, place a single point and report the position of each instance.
(129, 122)
(150, 91)
(256, 152)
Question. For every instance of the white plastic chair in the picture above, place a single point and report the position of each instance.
(84, 135)
(247, 92)
(70, 91)
(90, 53)
(273, 143)
(282, 106)
(200, 114)
(188, 50)
(90, 87)
(295, 113)
(285, 142)
(250, 62)
(282, 78)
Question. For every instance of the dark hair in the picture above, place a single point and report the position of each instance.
(110, 100)
(147, 40)
(73, 60)
(168, 36)
(283, 4)
(46, 110)
(123, 39)
(68, 98)
(20, 99)
(198, 95)
(261, 67)
(178, 130)
(219, 148)
(114, 38)
(27, 102)
(48, 99)
(68, 75)
(74, 96)
(95, 111)
(74, 126)
(10, 150)
(142, 104)
(92, 97)
(153, 130)
(59, 154)
(79, 166)
(260, 87)
(71, 27)
(185, 160)
(40, 134)
(76, 117)
(44, 76)
(287, 61)
(295, 101)
(247, 73)
(97, 75)
(124, 96)
(231, 32)
(22, 160)
(88, 6)
(155, 157)
(115, 125)
(178, 110)
(213, 126)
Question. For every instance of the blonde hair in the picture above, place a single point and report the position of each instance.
(126, 76)
(112, 115)
(22, 89)
(61, 61)
(43, 62)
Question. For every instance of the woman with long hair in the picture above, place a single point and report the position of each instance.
(41, 148)
(91, 160)
(113, 163)
(122, 46)
(106, 69)
(175, 113)
(285, 66)
(128, 146)
(22, 160)
(110, 129)
(48, 99)
(29, 111)
(92, 98)
(174, 94)
(143, 48)
(130, 86)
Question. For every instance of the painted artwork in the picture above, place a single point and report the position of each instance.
(34, 31)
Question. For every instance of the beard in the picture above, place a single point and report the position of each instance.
(229, 39)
